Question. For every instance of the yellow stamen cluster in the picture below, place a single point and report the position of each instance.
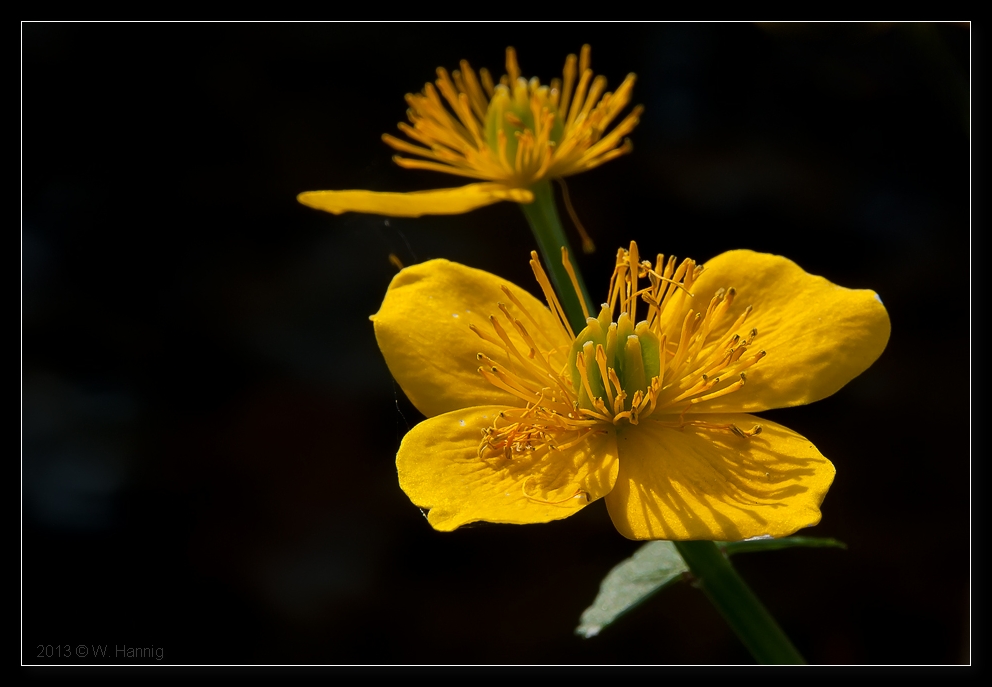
(516, 132)
(615, 372)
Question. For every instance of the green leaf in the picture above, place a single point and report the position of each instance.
(749, 545)
(651, 568)
(657, 564)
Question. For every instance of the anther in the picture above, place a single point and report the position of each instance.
(746, 433)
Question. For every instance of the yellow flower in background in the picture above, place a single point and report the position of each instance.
(509, 135)
(649, 406)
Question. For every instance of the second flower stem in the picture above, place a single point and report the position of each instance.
(542, 215)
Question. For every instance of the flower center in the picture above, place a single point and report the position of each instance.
(616, 372)
(617, 366)
(675, 358)
(521, 117)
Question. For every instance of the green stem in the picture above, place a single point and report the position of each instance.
(542, 215)
(737, 604)
(726, 590)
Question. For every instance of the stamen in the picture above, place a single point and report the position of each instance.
(478, 99)
(688, 329)
(617, 280)
(509, 377)
(515, 381)
(487, 82)
(513, 120)
(568, 81)
(518, 304)
(746, 434)
(731, 427)
(601, 406)
(625, 415)
(637, 400)
(580, 364)
(631, 303)
(534, 354)
(523, 142)
(593, 97)
(549, 294)
(574, 442)
(602, 416)
(578, 492)
(567, 264)
(662, 347)
(722, 392)
(485, 336)
(604, 373)
(740, 320)
(737, 353)
(615, 382)
(702, 386)
(512, 68)
(587, 243)
(499, 383)
(585, 76)
(504, 337)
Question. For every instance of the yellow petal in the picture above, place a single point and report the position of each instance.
(440, 469)
(818, 336)
(444, 201)
(423, 332)
(701, 483)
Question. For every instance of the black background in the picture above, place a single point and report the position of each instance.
(209, 429)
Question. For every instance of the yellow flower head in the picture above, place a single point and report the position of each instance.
(511, 135)
(648, 406)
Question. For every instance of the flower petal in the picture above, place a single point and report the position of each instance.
(444, 201)
(423, 332)
(704, 483)
(818, 336)
(440, 469)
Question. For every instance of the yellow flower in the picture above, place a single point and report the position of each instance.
(647, 406)
(512, 136)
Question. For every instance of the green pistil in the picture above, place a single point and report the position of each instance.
(632, 352)
(512, 113)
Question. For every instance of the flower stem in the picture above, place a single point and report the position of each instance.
(737, 604)
(726, 590)
(542, 215)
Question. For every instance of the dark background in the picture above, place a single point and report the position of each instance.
(209, 429)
